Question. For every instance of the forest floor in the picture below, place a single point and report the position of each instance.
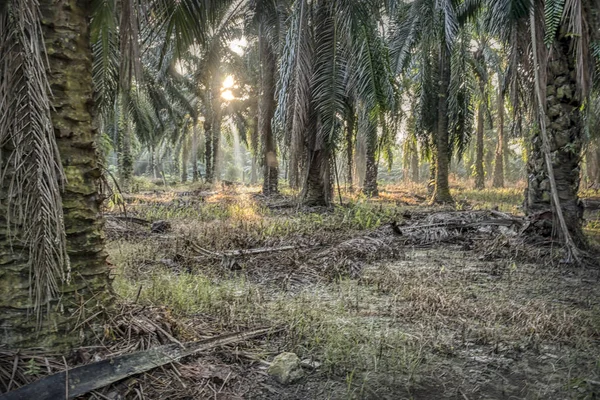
(410, 310)
(385, 298)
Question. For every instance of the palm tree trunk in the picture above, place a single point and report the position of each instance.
(479, 172)
(126, 162)
(565, 133)
(266, 113)
(414, 162)
(208, 150)
(216, 151)
(184, 160)
(318, 190)
(499, 163)
(370, 185)
(350, 148)
(65, 27)
(441, 193)
(195, 175)
(593, 164)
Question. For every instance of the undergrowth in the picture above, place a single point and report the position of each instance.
(387, 329)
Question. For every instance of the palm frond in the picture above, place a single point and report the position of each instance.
(32, 172)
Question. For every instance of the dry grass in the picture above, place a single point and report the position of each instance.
(414, 322)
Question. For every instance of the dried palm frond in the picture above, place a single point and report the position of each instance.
(31, 169)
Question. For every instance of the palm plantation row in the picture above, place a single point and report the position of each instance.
(318, 80)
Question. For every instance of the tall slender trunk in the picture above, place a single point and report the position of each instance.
(216, 142)
(217, 115)
(126, 157)
(266, 113)
(432, 174)
(184, 160)
(152, 163)
(195, 174)
(499, 159)
(208, 150)
(479, 172)
(66, 34)
(351, 121)
(441, 193)
(414, 161)
(565, 132)
(370, 185)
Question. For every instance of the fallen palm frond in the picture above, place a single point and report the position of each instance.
(442, 226)
(81, 380)
(31, 170)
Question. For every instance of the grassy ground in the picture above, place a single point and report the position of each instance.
(422, 322)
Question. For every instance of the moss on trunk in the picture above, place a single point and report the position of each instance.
(65, 25)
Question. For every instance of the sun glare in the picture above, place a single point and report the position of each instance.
(228, 82)
(228, 95)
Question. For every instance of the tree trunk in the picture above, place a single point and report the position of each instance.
(184, 160)
(65, 27)
(441, 193)
(414, 162)
(152, 163)
(565, 131)
(126, 159)
(593, 164)
(350, 148)
(195, 174)
(216, 142)
(208, 150)
(319, 189)
(266, 113)
(370, 185)
(499, 163)
(217, 116)
(294, 167)
(479, 172)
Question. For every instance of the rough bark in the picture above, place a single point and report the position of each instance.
(319, 189)
(498, 181)
(593, 164)
(126, 157)
(208, 150)
(266, 113)
(65, 25)
(370, 186)
(217, 116)
(195, 174)
(479, 172)
(441, 192)
(185, 155)
(350, 149)
(414, 163)
(565, 131)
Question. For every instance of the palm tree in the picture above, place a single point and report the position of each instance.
(561, 62)
(266, 19)
(47, 139)
(426, 33)
(333, 51)
(53, 259)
